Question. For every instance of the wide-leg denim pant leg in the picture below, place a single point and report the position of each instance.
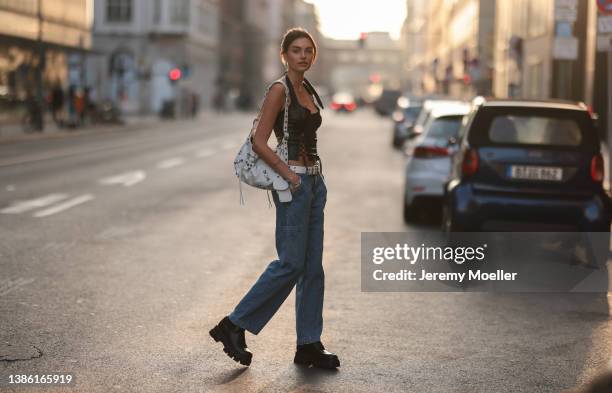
(299, 243)
(310, 286)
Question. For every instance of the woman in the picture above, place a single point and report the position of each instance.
(299, 223)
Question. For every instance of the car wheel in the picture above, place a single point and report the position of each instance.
(409, 217)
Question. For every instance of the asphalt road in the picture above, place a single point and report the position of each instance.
(120, 250)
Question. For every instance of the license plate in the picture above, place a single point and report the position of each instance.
(535, 173)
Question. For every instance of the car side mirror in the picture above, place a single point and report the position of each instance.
(452, 141)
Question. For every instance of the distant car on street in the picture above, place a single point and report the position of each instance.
(343, 102)
(424, 115)
(520, 161)
(428, 162)
(428, 106)
(386, 103)
(403, 121)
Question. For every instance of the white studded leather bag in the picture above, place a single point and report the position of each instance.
(254, 171)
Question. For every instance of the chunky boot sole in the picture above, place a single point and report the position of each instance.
(329, 362)
(218, 334)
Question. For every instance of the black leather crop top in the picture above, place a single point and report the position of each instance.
(302, 125)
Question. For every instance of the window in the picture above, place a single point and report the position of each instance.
(179, 11)
(118, 10)
(444, 128)
(535, 130)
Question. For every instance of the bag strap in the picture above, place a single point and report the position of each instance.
(283, 151)
(312, 91)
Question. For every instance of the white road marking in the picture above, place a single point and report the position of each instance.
(170, 163)
(10, 187)
(23, 206)
(8, 285)
(205, 153)
(128, 179)
(64, 206)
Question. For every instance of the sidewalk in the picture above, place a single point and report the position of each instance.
(14, 132)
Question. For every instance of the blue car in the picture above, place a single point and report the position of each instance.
(523, 162)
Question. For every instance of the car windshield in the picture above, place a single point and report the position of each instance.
(535, 130)
(444, 127)
(423, 116)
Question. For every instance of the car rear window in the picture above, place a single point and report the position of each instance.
(412, 112)
(533, 126)
(444, 127)
(535, 130)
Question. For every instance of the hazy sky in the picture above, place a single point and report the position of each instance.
(345, 19)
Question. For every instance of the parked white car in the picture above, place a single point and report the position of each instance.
(428, 161)
(428, 106)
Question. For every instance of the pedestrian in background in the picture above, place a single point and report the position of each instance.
(57, 103)
(71, 106)
(299, 222)
(79, 106)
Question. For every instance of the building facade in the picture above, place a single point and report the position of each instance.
(58, 32)
(533, 55)
(460, 47)
(306, 17)
(414, 41)
(363, 69)
(250, 55)
(141, 41)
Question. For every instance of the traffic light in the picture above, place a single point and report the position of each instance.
(362, 40)
(175, 75)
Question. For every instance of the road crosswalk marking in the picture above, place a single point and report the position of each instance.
(64, 205)
(170, 163)
(128, 179)
(23, 206)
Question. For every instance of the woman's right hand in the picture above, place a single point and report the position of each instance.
(295, 185)
(294, 179)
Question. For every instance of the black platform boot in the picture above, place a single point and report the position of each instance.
(234, 344)
(316, 355)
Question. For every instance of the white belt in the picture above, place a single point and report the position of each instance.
(309, 170)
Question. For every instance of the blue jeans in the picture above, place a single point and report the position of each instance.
(299, 243)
